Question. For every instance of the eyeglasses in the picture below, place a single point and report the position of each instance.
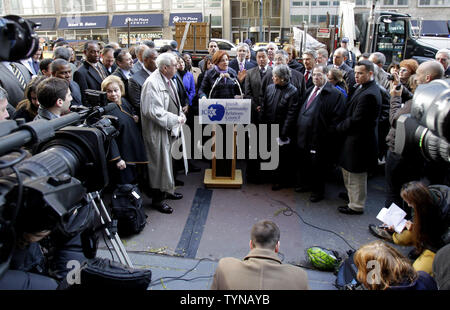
(403, 70)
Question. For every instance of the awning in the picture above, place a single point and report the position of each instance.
(184, 18)
(83, 22)
(433, 27)
(46, 23)
(139, 20)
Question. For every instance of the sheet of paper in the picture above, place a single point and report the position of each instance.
(399, 228)
(394, 216)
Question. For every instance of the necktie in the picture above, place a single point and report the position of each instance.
(174, 93)
(312, 97)
(100, 71)
(19, 75)
(262, 72)
(306, 76)
(241, 66)
(270, 63)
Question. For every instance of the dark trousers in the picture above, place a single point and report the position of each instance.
(158, 197)
(285, 174)
(311, 169)
(398, 171)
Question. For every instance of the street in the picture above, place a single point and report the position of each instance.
(208, 224)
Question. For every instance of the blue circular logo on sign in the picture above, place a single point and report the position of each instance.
(216, 112)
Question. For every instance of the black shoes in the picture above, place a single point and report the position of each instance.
(174, 196)
(164, 208)
(347, 210)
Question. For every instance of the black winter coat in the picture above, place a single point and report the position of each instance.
(225, 88)
(280, 106)
(316, 126)
(358, 129)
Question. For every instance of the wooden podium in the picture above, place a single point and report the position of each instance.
(223, 173)
(231, 179)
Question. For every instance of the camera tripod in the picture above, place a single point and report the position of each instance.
(106, 223)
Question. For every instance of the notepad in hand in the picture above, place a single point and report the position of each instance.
(393, 216)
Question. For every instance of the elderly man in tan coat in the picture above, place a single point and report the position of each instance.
(261, 269)
(161, 117)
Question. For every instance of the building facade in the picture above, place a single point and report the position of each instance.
(236, 20)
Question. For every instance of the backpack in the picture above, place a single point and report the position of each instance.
(346, 274)
(127, 209)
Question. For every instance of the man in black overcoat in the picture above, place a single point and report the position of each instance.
(358, 129)
(91, 73)
(319, 115)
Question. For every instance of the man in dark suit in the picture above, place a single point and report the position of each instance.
(108, 61)
(60, 68)
(136, 82)
(124, 70)
(309, 60)
(252, 90)
(139, 64)
(322, 110)
(14, 77)
(91, 73)
(359, 147)
(339, 57)
(240, 63)
(297, 78)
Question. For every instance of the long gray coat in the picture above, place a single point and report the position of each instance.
(159, 114)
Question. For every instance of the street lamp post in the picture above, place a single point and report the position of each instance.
(261, 39)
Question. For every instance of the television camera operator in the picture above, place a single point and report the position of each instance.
(48, 202)
(29, 267)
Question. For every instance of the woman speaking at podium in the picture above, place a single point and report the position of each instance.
(220, 82)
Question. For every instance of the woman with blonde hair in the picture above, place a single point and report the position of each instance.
(130, 152)
(381, 267)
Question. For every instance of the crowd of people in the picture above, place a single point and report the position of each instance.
(333, 111)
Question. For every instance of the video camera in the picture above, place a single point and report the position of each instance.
(17, 38)
(426, 131)
(48, 190)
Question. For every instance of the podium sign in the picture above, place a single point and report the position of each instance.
(225, 111)
(222, 112)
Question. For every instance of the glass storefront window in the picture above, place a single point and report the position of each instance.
(136, 37)
(187, 4)
(79, 6)
(32, 7)
(89, 34)
(136, 5)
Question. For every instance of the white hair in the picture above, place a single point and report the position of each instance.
(444, 51)
(165, 59)
(271, 43)
(244, 45)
